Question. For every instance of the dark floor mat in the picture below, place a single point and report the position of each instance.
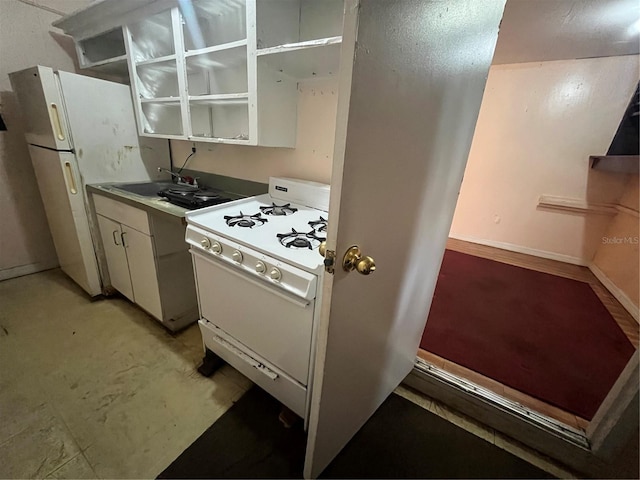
(401, 440)
(547, 336)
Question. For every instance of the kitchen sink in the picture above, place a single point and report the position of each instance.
(149, 189)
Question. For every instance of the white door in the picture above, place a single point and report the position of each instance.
(61, 192)
(408, 105)
(142, 268)
(114, 252)
(42, 108)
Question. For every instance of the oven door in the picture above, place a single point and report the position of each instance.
(270, 321)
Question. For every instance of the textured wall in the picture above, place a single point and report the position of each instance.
(538, 124)
(26, 39)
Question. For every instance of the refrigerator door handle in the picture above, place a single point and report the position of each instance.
(57, 124)
(71, 179)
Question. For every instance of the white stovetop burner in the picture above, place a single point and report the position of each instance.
(248, 221)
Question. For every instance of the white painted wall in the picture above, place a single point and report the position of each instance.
(310, 160)
(26, 39)
(538, 124)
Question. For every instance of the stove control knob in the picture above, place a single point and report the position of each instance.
(216, 247)
(206, 243)
(237, 256)
(275, 274)
(261, 267)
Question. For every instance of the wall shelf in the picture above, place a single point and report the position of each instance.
(315, 58)
(217, 48)
(119, 58)
(152, 61)
(165, 100)
(230, 141)
(290, 47)
(116, 66)
(228, 98)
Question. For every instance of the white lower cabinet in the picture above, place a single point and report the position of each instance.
(148, 261)
(116, 256)
(131, 262)
(142, 268)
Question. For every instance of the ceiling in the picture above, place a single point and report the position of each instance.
(543, 30)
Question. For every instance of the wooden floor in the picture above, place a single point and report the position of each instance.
(575, 272)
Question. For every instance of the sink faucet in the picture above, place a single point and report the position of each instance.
(180, 179)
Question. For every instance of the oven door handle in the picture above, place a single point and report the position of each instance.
(273, 290)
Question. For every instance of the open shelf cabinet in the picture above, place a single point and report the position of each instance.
(227, 71)
(105, 52)
(208, 23)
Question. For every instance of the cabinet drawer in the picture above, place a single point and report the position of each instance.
(251, 365)
(122, 213)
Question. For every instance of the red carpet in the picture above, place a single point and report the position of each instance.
(547, 336)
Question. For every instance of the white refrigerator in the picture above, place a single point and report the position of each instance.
(81, 130)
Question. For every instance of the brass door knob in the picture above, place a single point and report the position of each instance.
(322, 249)
(354, 260)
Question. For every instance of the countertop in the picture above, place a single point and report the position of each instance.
(153, 205)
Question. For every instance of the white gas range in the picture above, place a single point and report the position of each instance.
(258, 272)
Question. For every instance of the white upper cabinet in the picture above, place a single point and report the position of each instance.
(216, 69)
(155, 70)
(223, 71)
(208, 23)
(105, 52)
(294, 40)
(300, 38)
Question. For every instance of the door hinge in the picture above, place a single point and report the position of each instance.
(329, 261)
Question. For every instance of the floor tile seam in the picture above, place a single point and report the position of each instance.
(86, 459)
(27, 426)
(62, 465)
(60, 417)
(12, 436)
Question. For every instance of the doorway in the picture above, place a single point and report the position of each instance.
(529, 198)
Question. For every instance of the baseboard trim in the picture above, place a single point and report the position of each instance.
(22, 270)
(622, 297)
(526, 250)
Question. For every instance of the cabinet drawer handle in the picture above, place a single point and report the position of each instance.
(57, 125)
(124, 244)
(70, 178)
(115, 237)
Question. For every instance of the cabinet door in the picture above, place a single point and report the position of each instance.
(111, 234)
(142, 267)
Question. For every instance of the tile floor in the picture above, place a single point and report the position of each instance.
(97, 388)
(486, 433)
